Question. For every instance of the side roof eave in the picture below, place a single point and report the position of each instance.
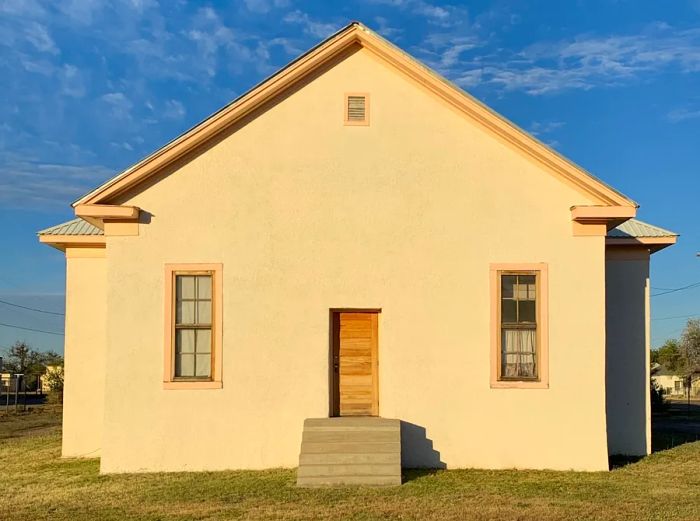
(314, 58)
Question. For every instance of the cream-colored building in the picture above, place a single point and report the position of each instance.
(356, 236)
(675, 384)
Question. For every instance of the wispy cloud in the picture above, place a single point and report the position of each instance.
(46, 186)
(682, 114)
(540, 128)
(583, 62)
(311, 26)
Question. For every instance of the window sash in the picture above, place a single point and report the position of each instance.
(200, 359)
(516, 360)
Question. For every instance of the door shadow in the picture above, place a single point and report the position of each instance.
(418, 456)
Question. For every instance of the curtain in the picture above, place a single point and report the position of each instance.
(518, 353)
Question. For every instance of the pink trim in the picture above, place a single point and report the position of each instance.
(586, 213)
(542, 325)
(217, 327)
(192, 385)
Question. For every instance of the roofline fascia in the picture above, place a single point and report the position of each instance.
(653, 244)
(61, 242)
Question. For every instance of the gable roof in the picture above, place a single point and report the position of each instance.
(353, 34)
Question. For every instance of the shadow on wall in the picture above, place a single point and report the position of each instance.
(417, 450)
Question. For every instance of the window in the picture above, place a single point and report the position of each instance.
(519, 326)
(357, 109)
(193, 308)
(193, 326)
(679, 385)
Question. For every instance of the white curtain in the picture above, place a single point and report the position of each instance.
(519, 350)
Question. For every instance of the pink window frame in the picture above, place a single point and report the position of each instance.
(216, 270)
(542, 272)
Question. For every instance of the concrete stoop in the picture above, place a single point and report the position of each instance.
(350, 451)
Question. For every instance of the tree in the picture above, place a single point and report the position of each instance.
(668, 355)
(23, 359)
(690, 346)
(29, 362)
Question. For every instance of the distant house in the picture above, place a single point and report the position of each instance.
(673, 383)
(356, 237)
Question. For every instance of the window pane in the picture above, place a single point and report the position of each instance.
(184, 312)
(184, 365)
(508, 311)
(203, 365)
(204, 341)
(204, 312)
(185, 286)
(184, 341)
(526, 310)
(518, 353)
(526, 285)
(204, 287)
(507, 283)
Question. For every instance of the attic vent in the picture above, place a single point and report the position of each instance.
(357, 109)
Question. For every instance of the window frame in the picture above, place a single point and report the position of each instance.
(541, 320)
(356, 123)
(169, 379)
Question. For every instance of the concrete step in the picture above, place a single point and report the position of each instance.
(350, 451)
(351, 423)
(335, 481)
(356, 436)
(376, 447)
(308, 471)
(356, 458)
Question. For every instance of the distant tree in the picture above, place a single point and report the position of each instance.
(668, 355)
(690, 346)
(22, 358)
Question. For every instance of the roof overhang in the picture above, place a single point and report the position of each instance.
(354, 34)
(653, 244)
(61, 242)
(97, 214)
(598, 219)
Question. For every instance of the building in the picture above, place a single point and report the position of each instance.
(356, 236)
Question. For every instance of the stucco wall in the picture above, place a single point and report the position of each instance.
(85, 343)
(627, 355)
(404, 215)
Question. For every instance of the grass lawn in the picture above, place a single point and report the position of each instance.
(36, 484)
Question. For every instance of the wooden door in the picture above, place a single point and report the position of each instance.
(355, 364)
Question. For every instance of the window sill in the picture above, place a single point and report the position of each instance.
(192, 385)
(519, 384)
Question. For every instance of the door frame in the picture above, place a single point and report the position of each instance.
(334, 354)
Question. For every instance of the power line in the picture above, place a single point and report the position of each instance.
(689, 286)
(33, 309)
(32, 329)
(678, 316)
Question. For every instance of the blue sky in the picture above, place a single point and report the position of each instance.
(90, 87)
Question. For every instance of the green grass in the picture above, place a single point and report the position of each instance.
(36, 484)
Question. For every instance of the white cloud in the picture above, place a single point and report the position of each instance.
(309, 26)
(39, 37)
(539, 128)
(72, 83)
(173, 110)
(682, 114)
(120, 105)
(583, 62)
(45, 186)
